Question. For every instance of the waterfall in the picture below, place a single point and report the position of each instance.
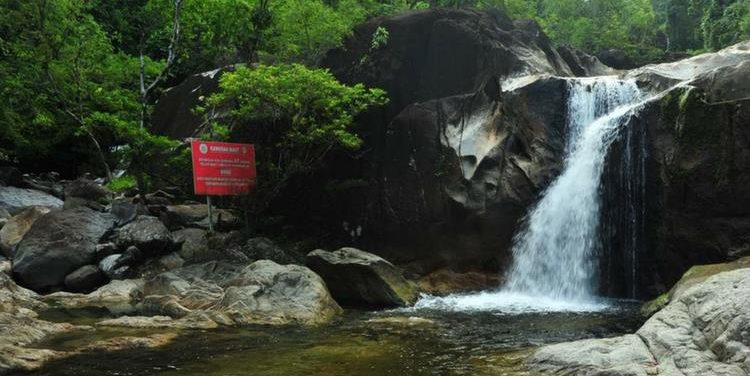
(579, 226)
(556, 251)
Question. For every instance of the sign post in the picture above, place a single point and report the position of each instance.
(222, 169)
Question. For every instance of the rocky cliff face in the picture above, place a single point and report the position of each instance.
(457, 155)
(699, 162)
(475, 130)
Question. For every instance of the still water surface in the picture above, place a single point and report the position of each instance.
(421, 341)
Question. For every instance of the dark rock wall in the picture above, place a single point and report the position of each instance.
(699, 140)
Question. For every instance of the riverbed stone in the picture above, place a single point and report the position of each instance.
(702, 331)
(263, 292)
(191, 321)
(119, 297)
(193, 244)
(57, 244)
(14, 230)
(114, 267)
(360, 278)
(85, 279)
(147, 233)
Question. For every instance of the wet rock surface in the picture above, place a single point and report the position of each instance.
(259, 293)
(356, 277)
(57, 244)
(702, 331)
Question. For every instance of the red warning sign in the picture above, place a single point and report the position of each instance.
(222, 168)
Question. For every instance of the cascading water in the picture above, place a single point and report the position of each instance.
(557, 251)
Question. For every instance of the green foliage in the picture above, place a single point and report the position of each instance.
(122, 183)
(379, 38)
(310, 107)
(300, 113)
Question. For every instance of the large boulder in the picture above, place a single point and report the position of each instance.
(260, 293)
(15, 200)
(14, 230)
(85, 279)
(119, 297)
(361, 278)
(702, 331)
(458, 174)
(57, 244)
(147, 233)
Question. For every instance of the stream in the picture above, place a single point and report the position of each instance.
(415, 341)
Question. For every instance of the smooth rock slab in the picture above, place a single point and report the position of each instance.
(358, 277)
(702, 331)
(260, 293)
(57, 244)
(14, 230)
(119, 297)
(15, 200)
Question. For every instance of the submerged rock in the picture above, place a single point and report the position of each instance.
(702, 331)
(260, 293)
(358, 277)
(14, 230)
(57, 244)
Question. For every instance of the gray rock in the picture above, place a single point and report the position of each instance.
(14, 298)
(14, 230)
(15, 200)
(193, 244)
(177, 216)
(125, 210)
(171, 261)
(260, 293)
(105, 249)
(57, 244)
(357, 277)
(115, 267)
(119, 297)
(85, 279)
(147, 233)
(702, 331)
(5, 266)
(86, 189)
